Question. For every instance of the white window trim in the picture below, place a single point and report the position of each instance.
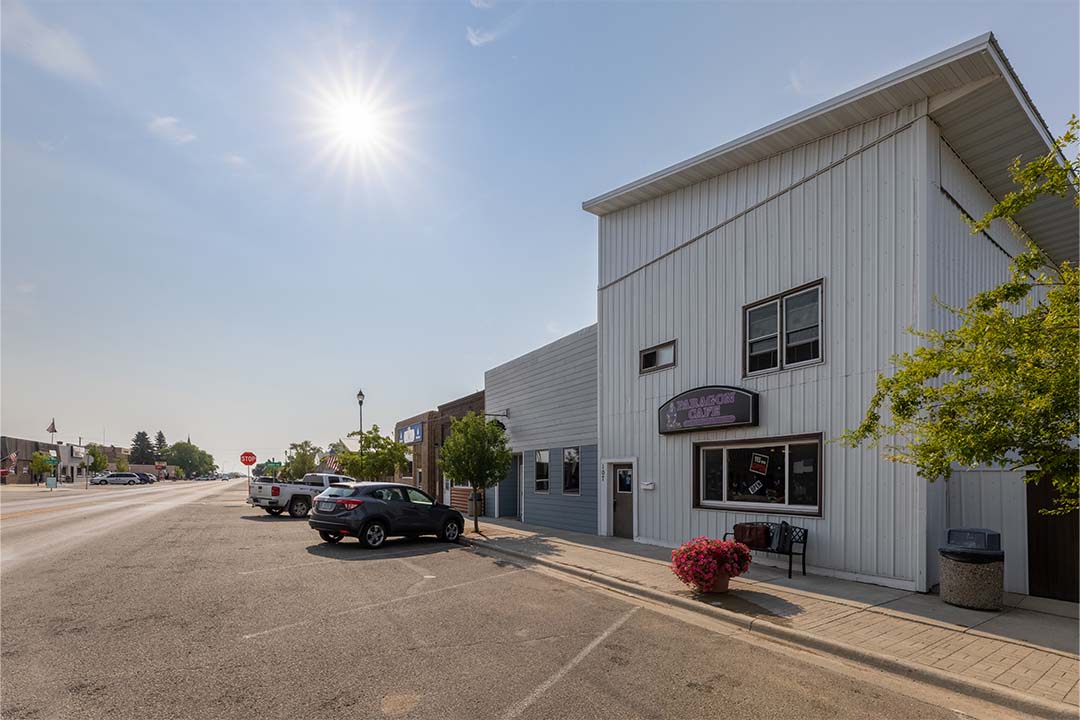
(744, 505)
(781, 337)
(656, 349)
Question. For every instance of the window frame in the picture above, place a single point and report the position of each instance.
(577, 491)
(547, 475)
(699, 503)
(781, 338)
(655, 348)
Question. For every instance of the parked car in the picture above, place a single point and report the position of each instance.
(145, 478)
(372, 512)
(119, 478)
(275, 497)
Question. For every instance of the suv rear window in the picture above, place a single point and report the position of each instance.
(339, 491)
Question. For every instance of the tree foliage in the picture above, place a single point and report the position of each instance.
(1002, 388)
(39, 465)
(476, 452)
(142, 450)
(99, 461)
(122, 464)
(378, 457)
(299, 460)
(190, 458)
(160, 446)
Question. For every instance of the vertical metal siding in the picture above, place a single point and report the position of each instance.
(851, 225)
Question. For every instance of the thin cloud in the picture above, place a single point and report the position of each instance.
(169, 128)
(801, 79)
(477, 38)
(235, 161)
(482, 4)
(51, 48)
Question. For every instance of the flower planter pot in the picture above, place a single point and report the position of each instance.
(719, 584)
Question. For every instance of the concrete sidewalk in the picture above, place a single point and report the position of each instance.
(1025, 658)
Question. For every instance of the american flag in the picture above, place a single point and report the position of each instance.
(12, 457)
(330, 461)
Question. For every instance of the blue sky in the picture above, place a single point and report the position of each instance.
(185, 246)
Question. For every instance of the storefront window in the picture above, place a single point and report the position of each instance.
(542, 471)
(571, 473)
(776, 474)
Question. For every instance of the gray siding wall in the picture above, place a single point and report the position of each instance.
(553, 508)
(503, 496)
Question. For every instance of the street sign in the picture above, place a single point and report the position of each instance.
(159, 464)
(52, 461)
(248, 458)
(272, 464)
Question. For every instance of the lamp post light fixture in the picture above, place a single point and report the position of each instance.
(360, 402)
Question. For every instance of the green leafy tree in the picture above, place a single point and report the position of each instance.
(378, 457)
(190, 458)
(477, 453)
(160, 446)
(1002, 388)
(39, 465)
(122, 464)
(99, 461)
(142, 450)
(299, 460)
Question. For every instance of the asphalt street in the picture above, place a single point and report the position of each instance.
(180, 601)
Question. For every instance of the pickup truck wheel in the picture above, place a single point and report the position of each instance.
(275, 511)
(374, 534)
(451, 531)
(299, 507)
(330, 537)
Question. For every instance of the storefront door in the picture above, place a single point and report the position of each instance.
(622, 501)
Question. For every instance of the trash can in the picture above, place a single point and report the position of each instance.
(973, 569)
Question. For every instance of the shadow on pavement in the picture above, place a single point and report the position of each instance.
(268, 518)
(349, 549)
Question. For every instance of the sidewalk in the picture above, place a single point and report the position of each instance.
(1021, 657)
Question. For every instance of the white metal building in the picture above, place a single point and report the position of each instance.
(783, 268)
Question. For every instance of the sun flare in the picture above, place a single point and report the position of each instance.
(354, 125)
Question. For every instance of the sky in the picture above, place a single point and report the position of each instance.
(222, 219)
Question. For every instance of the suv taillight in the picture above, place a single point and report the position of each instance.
(275, 490)
(350, 504)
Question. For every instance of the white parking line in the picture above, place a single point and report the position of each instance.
(386, 556)
(279, 628)
(523, 705)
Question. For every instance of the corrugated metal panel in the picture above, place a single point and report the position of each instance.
(852, 225)
(995, 499)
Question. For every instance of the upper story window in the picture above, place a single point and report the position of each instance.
(657, 358)
(542, 469)
(784, 331)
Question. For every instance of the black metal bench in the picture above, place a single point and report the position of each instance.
(799, 536)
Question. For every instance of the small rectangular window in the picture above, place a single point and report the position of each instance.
(802, 327)
(762, 330)
(571, 474)
(542, 465)
(657, 358)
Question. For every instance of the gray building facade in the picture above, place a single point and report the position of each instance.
(547, 400)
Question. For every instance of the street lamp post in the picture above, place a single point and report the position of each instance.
(360, 402)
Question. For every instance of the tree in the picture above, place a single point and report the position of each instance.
(99, 461)
(122, 464)
(39, 465)
(379, 456)
(1002, 388)
(160, 446)
(476, 452)
(142, 450)
(299, 460)
(190, 458)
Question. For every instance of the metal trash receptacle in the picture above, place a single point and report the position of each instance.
(973, 569)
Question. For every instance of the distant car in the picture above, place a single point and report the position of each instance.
(372, 512)
(119, 478)
(145, 478)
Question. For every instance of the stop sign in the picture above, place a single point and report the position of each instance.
(248, 458)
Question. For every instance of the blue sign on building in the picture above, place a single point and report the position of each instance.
(412, 434)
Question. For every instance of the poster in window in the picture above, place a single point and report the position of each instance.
(759, 463)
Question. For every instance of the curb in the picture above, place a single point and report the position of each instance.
(1012, 699)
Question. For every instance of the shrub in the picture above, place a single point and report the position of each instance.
(698, 562)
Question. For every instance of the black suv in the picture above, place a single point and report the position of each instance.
(372, 512)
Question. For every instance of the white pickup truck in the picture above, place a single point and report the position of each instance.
(275, 497)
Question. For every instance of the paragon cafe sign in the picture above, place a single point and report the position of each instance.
(709, 407)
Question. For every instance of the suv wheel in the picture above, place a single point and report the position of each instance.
(275, 511)
(330, 537)
(299, 507)
(451, 531)
(374, 534)
(130, 482)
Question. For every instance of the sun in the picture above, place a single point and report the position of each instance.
(354, 125)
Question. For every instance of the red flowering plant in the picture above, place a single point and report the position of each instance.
(701, 560)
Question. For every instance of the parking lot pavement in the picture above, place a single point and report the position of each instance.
(211, 610)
